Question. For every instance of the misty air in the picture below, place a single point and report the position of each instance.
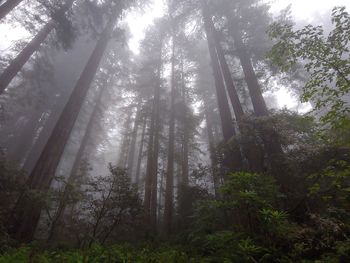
(174, 131)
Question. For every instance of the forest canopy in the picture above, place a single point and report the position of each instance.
(181, 151)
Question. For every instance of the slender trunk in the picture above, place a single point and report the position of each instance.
(26, 138)
(212, 152)
(153, 207)
(149, 169)
(43, 173)
(75, 168)
(45, 132)
(131, 155)
(16, 64)
(185, 142)
(7, 7)
(123, 153)
(140, 154)
(169, 187)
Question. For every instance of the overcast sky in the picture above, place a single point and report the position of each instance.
(302, 10)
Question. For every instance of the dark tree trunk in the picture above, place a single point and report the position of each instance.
(132, 148)
(123, 153)
(150, 201)
(224, 109)
(7, 7)
(251, 151)
(270, 137)
(185, 142)
(140, 154)
(75, 168)
(169, 186)
(16, 64)
(255, 93)
(212, 152)
(40, 179)
(233, 160)
(26, 139)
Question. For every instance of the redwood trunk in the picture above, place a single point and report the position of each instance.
(43, 173)
(75, 168)
(140, 154)
(169, 186)
(234, 159)
(16, 64)
(131, 155)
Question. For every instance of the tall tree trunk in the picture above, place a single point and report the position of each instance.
(185, 142)
(255, 93)
(123, 153)
(17, 63)
(169, 187)
(140, 154)
(270, 137)
(26, 138)
(250, 149)
(7, 7)
(212, 152)
(132, 148)
(234, 158)
(40, 179)
(76, 165)
(150, 201)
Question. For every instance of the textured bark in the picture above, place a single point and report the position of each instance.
(17, 63)
(7, 7)
(140, 154)
(40, 179)
(169, 187)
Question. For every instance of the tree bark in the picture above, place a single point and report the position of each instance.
(40, 179)
(234, 159)
(123, 152)
(132, 148)
(7, 7)
(212, 152)
(140, 154)
(169, 186)
(76, 165)
(17, 63)
(251, 151)
(150, 201)
(255, 93)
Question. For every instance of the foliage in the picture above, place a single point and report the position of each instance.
(326, 59)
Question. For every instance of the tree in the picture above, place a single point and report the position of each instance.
(40, 178)
(15, 66)
(8, 6)
(325, 58)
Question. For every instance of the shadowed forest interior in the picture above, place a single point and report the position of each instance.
(174, 131)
